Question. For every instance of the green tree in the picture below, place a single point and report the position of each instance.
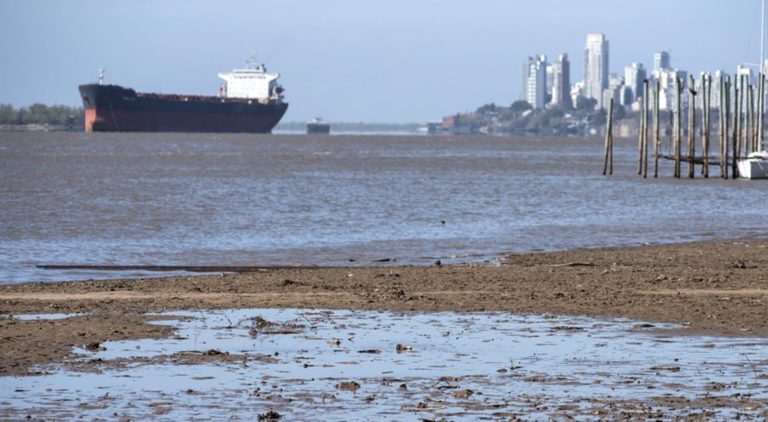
(520, 106)
(7, 114)
(585, 104)
(37, 113)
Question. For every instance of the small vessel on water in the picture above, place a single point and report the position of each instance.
(755, 166)
(318, 126)
(250, 100)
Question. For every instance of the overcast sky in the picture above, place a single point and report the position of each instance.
(353, 60)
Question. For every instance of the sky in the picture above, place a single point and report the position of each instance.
(391, 61)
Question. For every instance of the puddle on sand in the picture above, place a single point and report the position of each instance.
(348, 365)
(38, 317)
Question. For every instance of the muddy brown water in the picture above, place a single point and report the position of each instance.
(215, 199)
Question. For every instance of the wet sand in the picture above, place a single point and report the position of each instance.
(715, 288)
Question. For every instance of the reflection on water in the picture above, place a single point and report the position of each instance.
(212, 199)
(367, 365)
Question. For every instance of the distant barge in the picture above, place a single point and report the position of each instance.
(249, 101)
(318, 126)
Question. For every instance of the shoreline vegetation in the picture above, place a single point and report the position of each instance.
(709, 288)
(40, 117)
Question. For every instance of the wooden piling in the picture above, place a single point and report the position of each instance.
(656, 128)
(641, 139)
(736, 132)
(646, 92)
(721, 123)
(726, 136)
(706, 90)
(678, 125)
(608, 161)
(691, 126)
(749, 142)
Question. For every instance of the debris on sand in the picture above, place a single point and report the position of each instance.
(670, 368)
(270, 416)
(400, 348)
(261, 326)
(347, 386)
(95, 347)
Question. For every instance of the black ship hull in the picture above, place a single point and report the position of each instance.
(111, 108)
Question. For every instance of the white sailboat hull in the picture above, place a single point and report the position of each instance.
(754, 167)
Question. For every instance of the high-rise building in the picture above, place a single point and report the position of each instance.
(661, 61)
(535, 81)
(550, 79)
(714, 98)
(596, 67)
(561, 82)
(613, 92)
(667, 96)
(634, 75)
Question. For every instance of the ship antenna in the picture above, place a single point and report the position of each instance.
(101, 75)
(251, 62)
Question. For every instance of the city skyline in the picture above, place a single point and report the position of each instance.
(392, 61)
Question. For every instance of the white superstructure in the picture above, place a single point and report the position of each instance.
(251, 83)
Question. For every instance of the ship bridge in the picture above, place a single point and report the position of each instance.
(251, 83)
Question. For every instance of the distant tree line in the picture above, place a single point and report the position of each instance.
(41, 114)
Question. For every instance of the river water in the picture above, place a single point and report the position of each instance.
(214, 199)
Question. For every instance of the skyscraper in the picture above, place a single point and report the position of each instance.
(561, 82)
(535, 80)
(596, 67)
(661, 61)
(634, 75)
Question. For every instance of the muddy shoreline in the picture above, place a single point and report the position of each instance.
(714, 288)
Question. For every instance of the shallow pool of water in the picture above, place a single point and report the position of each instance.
(367, 365)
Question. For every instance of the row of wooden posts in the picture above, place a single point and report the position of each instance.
(740, 130)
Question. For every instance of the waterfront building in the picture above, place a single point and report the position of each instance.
(596, 67)
(561, 82)
(714, 102)
(550, 80)
(661, 61)
(626, 98)
(666, 78)
(615, 86)
(634, 75)
(535, 81)
(746, 71)
(577, 92)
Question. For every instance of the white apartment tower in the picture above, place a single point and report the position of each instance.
(596, 67)
(561, 82)
(535, 81)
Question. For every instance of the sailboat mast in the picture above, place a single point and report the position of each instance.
(762, 37)
(761, 85)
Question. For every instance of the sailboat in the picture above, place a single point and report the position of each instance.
(755, 166)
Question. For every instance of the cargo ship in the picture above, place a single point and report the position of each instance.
(250, 100)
